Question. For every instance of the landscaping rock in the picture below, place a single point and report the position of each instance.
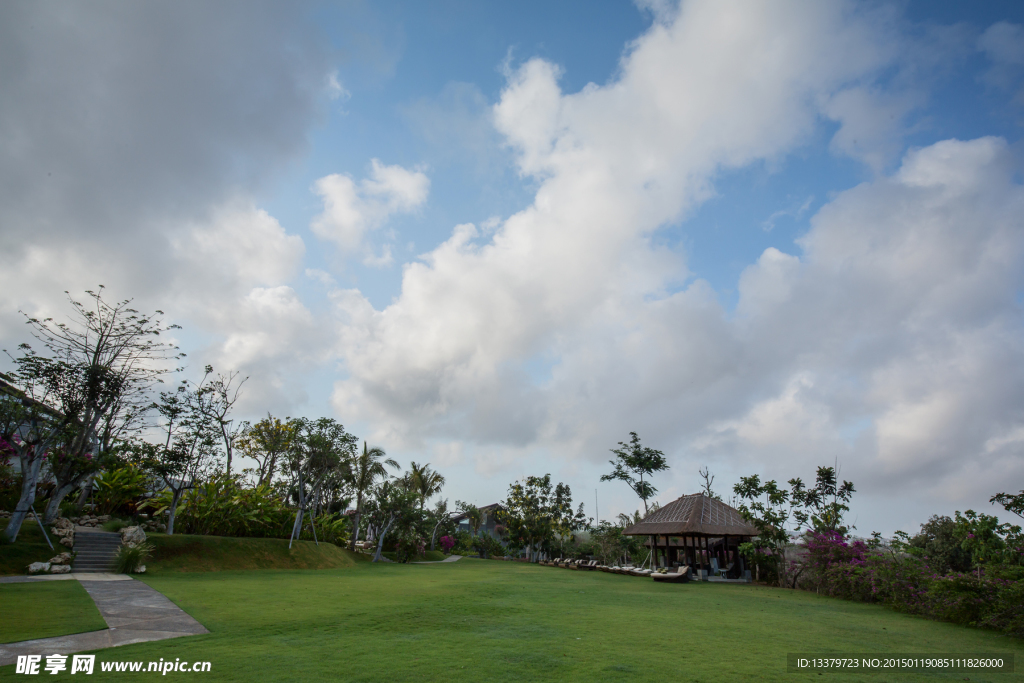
(39, 568)
(60, 569)
(63, 558)
(68, 541)
(132, 536)
(141, 569)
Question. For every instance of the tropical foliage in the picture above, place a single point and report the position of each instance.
(633, 462)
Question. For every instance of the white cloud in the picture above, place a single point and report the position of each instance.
(1003, 44)
(241, 243)
(560, 332)
(723, 85)
(352, 209)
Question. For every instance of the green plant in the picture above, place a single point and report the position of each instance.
(115, 525)
(130, 559)
(223, 506)
(118, 489)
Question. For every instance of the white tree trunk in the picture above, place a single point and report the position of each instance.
(29, 478)
(380, 539)
(175, 499)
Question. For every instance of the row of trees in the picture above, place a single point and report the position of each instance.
(84, 406)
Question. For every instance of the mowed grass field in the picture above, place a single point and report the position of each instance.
(477, 620)
(45, 609)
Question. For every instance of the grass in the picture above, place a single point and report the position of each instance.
(43, 609)
(30, 547)
(476, 620)
(115, 525)
(187, 553)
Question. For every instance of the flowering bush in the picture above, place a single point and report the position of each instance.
(852, 570)
(447, 543)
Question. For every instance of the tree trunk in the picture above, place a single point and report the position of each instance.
(380, 539)
(358, 516)
(29, 478)
(175, 499)
(53, 507)
(86, 492)
(434, 535)
(297, 526)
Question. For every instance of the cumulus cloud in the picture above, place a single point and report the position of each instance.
(352, 209)
(721, 86)
(891, 340)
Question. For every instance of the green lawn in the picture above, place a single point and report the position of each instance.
(477, 620)
(44, 609)
(30, 547)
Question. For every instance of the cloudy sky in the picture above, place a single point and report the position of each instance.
(498, 237)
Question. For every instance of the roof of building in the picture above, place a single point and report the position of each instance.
(484, 509)
(694, 514)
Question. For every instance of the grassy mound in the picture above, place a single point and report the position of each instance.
(30, 547)
(45, 609)
(187, 553)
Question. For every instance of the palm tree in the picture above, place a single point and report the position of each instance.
(366, 470)
(424, 481)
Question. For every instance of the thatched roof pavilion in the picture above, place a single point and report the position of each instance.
(693, 529)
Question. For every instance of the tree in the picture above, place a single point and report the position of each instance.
(320, 447)
(768, 508)
(983, 536)
(708, 478)
(535, 512)
(69, 470)
(940, 545)
(367, 469)
(1011, 503)
(442, 519)
(189, 448)
(266, 442)
(392, 507)
(633, 462)
(107, 357)
(424, 481)
(825, 505)
(216, 398)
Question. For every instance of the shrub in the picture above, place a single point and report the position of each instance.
(447, 543)
(117, 490)
(992, 598)
(130, 559)
(223, 506)
(330, 528)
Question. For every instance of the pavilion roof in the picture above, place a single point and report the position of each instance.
(696, 514)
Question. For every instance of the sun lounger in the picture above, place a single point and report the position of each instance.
(681, 575)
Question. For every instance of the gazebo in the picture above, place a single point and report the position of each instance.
(693, 529)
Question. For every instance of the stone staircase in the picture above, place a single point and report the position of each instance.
(95, 551)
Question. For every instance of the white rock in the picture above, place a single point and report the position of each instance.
(39, 568)
(60, 569)
(132, 536)
(68, 541)
(141, 569)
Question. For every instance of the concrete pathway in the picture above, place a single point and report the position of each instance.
(450, 558)
(134, 612)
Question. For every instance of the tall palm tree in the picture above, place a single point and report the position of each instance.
(366, 470)
(424, 481)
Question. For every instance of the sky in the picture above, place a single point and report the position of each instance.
(499, 237)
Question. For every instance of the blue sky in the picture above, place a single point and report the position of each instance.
(500, 237)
